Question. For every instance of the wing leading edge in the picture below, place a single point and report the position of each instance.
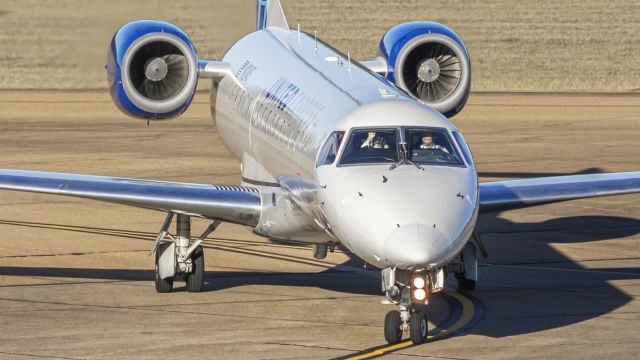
(509, 194)
(225, 203)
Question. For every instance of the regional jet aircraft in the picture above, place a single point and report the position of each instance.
(333, 151)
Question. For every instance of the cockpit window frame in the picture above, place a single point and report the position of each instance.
(347, 139)
(463, 147)
(325, 143)
(401, 137)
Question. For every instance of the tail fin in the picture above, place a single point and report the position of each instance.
(270, 14)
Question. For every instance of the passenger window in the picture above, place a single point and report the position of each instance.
(330, 149)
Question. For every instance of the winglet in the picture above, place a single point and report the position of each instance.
(270, 14)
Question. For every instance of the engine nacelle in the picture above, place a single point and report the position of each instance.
(152, 70)
(429, 60)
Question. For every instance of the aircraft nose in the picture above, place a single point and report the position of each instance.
(414, 244)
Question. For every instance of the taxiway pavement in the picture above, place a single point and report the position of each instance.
(561, 281)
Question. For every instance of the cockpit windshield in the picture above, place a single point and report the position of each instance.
(371, 146)
(432, 146)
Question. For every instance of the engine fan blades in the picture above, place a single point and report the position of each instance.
(177, 71)
(432, 71)
(159, 71)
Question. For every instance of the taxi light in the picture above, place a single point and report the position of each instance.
(419, 294)
(418, 282)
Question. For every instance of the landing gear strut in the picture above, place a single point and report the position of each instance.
(468, 277)
(179, 255)
(409, 290)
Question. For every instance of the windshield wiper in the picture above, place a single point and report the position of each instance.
(405, 158)
(414, 164)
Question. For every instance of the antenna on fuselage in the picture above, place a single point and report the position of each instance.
(349, 59)
(315, 36)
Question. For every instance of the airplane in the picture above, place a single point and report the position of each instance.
(333, 151)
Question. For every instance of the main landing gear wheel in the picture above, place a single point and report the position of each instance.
(162, 285)
(464, 283)
(418, 327)
(393, 327)
(195, 280)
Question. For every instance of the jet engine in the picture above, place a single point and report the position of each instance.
(152, 70)
(429, 61)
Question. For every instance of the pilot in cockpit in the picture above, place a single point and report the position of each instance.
(427, 143)
(373, 141)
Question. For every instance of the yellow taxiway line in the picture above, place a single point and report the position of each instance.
(468, 311)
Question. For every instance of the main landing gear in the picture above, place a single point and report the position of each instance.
(179, 256)
(409, 290)
(465, 266)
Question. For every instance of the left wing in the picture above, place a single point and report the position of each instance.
(510, 194)
(234, 204)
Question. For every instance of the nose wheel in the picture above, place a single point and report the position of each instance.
(418, 328)
(393, 327)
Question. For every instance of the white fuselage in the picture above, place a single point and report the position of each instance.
(295, 92)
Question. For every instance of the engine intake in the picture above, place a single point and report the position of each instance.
(152, 70)
(429, 61)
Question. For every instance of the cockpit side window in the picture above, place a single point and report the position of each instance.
(431, 146)
(330, 148)
(371, 146)
(466, 152)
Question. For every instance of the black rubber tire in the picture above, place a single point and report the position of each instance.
(464, 283)
(418, 327)
(195, 280)
(392, 330)
(162, 285)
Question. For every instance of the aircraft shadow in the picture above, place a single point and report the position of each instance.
(355, 282)
(526, 285)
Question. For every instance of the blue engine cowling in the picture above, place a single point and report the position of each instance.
(429, 60)
(152, 70)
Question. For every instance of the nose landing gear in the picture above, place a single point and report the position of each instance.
(410, 291)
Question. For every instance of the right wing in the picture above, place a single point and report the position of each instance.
(241, 205)
(511, 194)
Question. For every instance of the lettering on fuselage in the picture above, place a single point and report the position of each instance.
(245, 71)
(282, 92)
(283, 113)
(296, 115)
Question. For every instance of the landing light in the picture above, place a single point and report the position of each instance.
(419, 294)
(418, 282)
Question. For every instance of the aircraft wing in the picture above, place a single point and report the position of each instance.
(234, 204)
(510, 194)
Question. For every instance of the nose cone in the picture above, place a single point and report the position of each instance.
(414, 244)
